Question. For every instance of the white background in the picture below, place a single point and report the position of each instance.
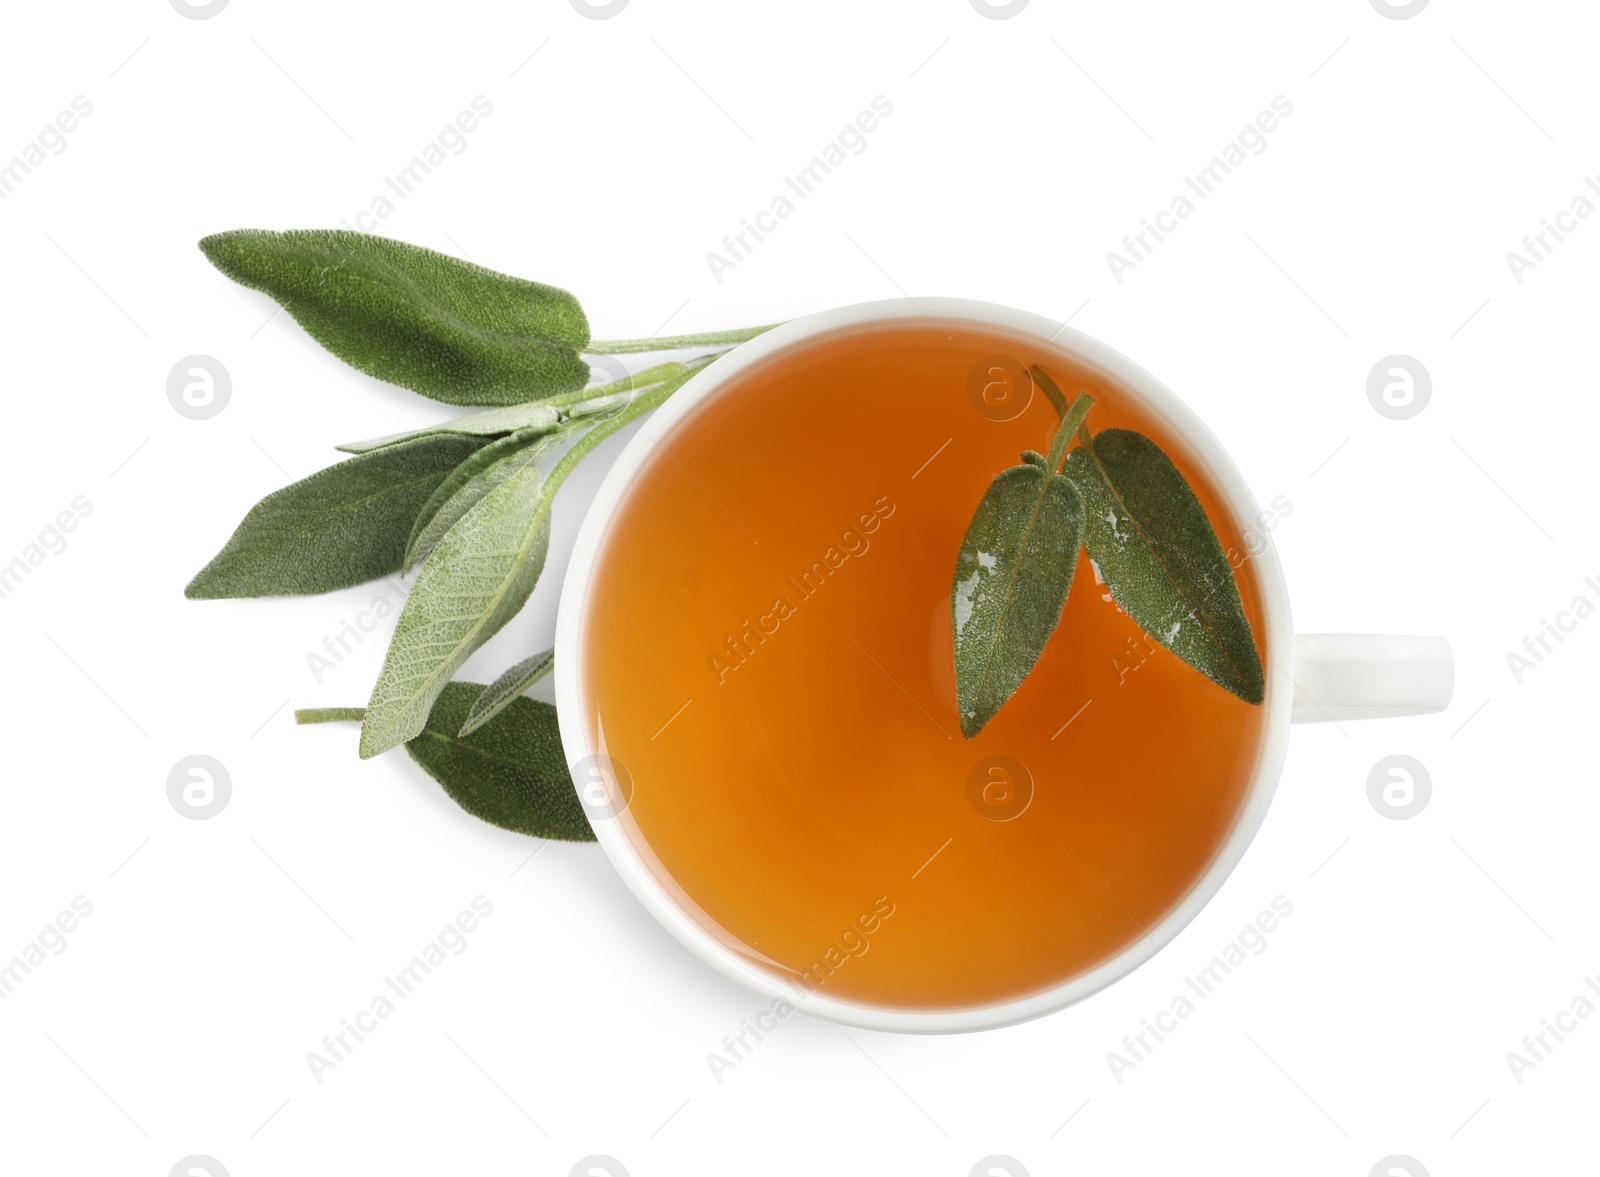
(178, 1018)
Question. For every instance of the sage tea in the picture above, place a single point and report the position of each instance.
(788, 595)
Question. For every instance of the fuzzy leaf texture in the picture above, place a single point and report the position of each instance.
(503, 691)
(1012, 578)
(511, 773)
(467, 485)
(1156, 551)
(341, 526)
(477, 578)
(446, 328)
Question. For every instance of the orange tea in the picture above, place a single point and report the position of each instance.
(769, 656)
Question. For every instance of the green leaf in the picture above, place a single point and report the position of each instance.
(469, 482)
(1012, 578)
(1155, 549)
(511, 773)
(472, 583)
(489, 423)
(341, 526)
(447, 328)
(503, 691)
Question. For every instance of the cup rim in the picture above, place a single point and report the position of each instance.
(1049, 336)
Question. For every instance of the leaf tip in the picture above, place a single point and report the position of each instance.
(374, 741)
(1241, 675)
(214, 245)
(1253, 689)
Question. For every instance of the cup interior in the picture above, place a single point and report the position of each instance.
(1044, 339)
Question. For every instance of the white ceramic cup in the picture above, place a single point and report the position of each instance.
(1310, 678)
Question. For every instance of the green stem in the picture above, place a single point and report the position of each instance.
(1069, 425)
(331, 715)
(1051, 390)
(637, 382)
(617, 347)
(676, 376)
(652, 398)
(628, 383)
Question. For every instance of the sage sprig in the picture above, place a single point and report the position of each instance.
(1122, 499)
(466, 503)
(1013, 574)
(473, 582)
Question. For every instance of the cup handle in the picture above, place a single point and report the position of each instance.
(1369, 676)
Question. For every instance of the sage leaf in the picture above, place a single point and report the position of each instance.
(506, 689)
(468, 483)
(511, 773)
(489, 423)
(1155, 549)
(341, 526)
(1012, 578)
(446, 328)
(471, 584)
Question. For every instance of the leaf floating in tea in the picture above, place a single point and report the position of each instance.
(1012, 580)
(1012, 577)
(500, 694)
(446, 328)
(1158, 554)
(341, 526)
